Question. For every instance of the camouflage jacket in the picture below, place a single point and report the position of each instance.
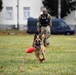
(39, 19)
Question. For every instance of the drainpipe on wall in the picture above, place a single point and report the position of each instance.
(17, 14)
(59, 9)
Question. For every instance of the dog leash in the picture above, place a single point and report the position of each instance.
(29, 50)
(19, 67)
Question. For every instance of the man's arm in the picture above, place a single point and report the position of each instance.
(50, 19)
(38, 23)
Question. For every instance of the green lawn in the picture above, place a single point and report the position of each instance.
(60, 56)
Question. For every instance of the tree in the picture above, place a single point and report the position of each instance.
(1, 7)
(66, 7)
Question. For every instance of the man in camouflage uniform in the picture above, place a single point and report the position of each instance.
(44, 24)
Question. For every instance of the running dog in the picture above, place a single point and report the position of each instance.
(39, 48)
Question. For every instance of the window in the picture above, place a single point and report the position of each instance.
(63, 24)
(9, 13)
(55, 23)
(26, 11)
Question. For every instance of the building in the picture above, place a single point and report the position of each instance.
(17, 12)
(71, 19)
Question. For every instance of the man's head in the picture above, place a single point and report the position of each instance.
(44, 11)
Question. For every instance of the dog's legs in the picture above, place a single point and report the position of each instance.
(38, 58)
(43, 54)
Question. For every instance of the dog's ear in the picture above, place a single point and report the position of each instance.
(35, 36)
(40, 37)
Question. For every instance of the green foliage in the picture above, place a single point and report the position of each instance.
(1, 7)
(66, 7)
(60, 56)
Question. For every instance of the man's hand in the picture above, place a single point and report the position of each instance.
(38, 30)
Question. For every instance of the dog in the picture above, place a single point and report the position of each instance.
(39, 48)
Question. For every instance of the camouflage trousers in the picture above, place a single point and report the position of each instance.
(47, 32)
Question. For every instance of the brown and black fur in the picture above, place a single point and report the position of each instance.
(39, 48)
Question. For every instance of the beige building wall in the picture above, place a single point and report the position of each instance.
(71, 18)
(33, 7)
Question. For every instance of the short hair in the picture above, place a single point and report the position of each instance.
(44, 9)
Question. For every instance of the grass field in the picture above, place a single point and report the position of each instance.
(60, 56)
